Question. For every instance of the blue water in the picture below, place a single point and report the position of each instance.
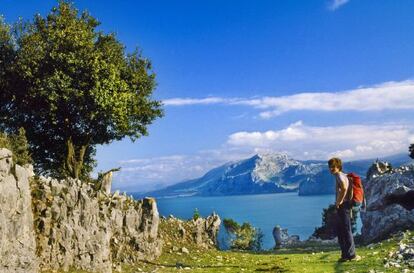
(299, 214)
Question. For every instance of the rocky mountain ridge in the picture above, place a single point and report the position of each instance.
(266, 173)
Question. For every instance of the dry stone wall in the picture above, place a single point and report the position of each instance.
(52, 224)
(49, 224)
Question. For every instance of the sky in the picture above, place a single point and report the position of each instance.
(313, 79)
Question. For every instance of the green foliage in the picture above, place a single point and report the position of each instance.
(411, 150)
(72, 87)
(327, 230)
(196, 214)
(18, 145)
(243, 237)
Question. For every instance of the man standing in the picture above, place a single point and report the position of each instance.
(343, 208)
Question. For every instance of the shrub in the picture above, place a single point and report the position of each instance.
(196, 214)
(327, 230)
(243, 237)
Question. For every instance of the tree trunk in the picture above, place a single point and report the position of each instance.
(74, 159)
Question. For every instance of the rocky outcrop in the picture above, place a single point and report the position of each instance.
(379, 221)
(198, 233)
(58, 224)
(282, 238)
(17, 240)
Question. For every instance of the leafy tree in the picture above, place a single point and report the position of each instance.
(243, 237)
(72, 87)
(411, 150)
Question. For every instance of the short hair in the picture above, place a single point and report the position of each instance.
(335, 162)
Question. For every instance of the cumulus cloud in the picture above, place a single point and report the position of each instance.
(385, 96)
(347, 141)
(336, 4)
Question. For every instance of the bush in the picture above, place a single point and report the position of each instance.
(196, 214)
(243, 237)
(327, 230)
(18, 145)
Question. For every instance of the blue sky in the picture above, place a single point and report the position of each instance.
(310, 78)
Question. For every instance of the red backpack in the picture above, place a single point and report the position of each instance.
(357, 193)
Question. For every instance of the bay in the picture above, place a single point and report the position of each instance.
(299, 214)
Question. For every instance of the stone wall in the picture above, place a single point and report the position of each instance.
(51, 224)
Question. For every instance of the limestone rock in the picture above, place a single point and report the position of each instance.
(17, 243)
(380, 221)
(282, 238)
(206, 230)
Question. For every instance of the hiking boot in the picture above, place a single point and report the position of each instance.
(355, 258)
(351, 259)
(342, 260)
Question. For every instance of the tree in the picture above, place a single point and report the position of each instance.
(328, 229)
(411, 150)
(72, 87)
(243, 237)
(19, 146)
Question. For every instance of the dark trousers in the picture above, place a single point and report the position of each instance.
(344, 231)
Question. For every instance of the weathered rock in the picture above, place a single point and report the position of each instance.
(79, 227)
(379, 221)
(17, 243)
(185, 250)
(282, 238)
(206, 230)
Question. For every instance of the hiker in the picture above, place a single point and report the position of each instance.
(343, 204)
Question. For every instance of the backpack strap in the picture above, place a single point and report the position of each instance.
(350, 193)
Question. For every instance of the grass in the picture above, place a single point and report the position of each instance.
(302, 261)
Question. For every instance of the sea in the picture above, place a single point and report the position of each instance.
(299, 214)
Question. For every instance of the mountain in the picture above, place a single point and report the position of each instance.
(267, 173)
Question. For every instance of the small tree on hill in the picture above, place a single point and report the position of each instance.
(71, 87)
(243, 237)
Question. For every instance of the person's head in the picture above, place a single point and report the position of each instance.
(335, 165)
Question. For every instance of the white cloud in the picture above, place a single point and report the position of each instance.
(190, 101)
(385, 96)
(336, 4)
(348, 141)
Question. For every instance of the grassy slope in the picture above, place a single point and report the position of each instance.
(311, 259)
(301, 261)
